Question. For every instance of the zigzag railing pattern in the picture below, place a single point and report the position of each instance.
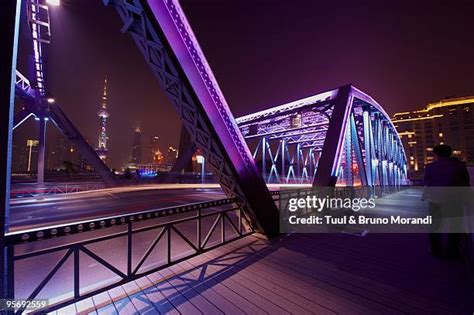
(179, 234)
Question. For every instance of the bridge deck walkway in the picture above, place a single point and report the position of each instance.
(301, 274)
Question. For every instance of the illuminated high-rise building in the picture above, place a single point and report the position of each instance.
(171, 156)
(103, 114)
(154, 153)
(449, 121)
(137, 146)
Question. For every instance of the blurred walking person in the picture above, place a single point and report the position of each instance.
(446, 204)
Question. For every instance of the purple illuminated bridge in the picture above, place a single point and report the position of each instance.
(220, 250)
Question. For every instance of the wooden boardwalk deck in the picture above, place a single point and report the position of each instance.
(299, 274)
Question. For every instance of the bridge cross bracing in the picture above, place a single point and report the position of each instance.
(339, 137)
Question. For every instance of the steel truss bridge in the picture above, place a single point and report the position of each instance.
(338, 137)
(342, 137)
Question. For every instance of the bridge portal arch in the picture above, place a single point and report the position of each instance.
(339, 137)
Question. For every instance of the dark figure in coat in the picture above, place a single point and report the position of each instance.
(446, 204)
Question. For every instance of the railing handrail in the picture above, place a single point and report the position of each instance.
(118, 234)
(166, 230)
(76, 248)
(42, 233)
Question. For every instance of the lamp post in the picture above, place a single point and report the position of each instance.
(53, 2)
(9, 29)
(201, 160)
(30, 144)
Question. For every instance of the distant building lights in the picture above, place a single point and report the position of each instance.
(32, 143)
(451, 102)
(418, 118)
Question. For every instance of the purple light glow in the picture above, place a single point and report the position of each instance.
(37, 51)
(280, 109)
(186, 48)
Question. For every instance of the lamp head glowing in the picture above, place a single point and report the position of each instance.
(53, 2)
(200, 159)
(50, 100)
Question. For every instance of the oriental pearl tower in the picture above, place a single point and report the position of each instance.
(103, 114)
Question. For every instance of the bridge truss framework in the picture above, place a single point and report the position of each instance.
(344, 125)
(339, 137)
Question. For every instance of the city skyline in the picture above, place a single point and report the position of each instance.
(103, 114)
(448, 121)
(317, 55)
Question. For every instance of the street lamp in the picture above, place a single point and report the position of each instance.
(30, 144)
(53, 2)
(201, 160)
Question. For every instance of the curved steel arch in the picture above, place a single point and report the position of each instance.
(339, 137)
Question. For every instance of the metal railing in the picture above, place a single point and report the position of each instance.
(180, 233)
(57, 189)
(199, 227)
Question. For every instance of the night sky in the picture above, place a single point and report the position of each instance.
(263, 53)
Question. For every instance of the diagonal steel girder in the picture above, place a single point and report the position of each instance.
(23, 87)
(24, 91)
(67, 128)
(163, 35)
(379, 135)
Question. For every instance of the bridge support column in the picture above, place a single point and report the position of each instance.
(283, 157)
(348, 170)
(9, 28)
(186, 148)
(358, 152)
(367, 146)
(264, 157)
(41, 151)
